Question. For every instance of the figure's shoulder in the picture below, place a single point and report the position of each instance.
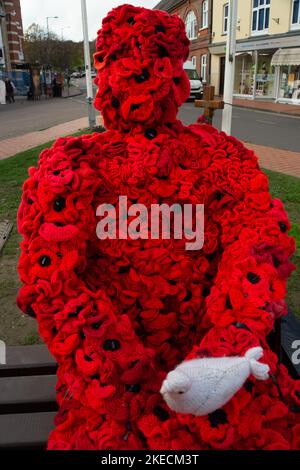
(219, 143)
(71, 150)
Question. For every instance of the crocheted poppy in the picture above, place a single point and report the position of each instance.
(119, 315)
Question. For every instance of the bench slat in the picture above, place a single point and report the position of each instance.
(27, 394)
(290, 332)
(28, 360)
(27, 355)
(25, 430)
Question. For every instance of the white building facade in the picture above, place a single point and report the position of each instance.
(268, 49)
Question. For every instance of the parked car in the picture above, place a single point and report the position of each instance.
(75, 75)
(78, 75)
(195, 82)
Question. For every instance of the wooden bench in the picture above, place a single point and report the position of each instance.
(27, 397)
(27, 390)
(290, 332)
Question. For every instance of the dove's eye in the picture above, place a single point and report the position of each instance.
(180, 393)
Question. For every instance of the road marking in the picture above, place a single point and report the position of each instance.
(266, 122)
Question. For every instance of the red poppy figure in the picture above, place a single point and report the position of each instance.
(120, 315)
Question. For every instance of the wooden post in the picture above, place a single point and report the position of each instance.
(209, 103)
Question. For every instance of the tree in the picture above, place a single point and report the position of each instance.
(51, 50)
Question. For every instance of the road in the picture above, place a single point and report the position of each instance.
(257, 127)
(28, 116)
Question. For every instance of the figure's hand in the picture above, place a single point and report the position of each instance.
(201, 386)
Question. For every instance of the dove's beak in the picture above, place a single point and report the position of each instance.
(175, 382)
(164, 388)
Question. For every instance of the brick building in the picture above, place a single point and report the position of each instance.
(197, 17)
(11, 35)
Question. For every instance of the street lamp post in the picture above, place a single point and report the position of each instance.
(47, 19)
(230, 67)
(88, 70)
(48, 34)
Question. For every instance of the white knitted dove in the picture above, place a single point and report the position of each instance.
(201, 386)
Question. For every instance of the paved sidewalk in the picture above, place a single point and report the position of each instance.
(282, 161)
(12, 146)
(280, 108)
(73, 91)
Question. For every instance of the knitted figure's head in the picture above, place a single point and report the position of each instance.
(139, 59)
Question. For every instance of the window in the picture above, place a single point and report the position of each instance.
(2, 62)
(290, 83)
(194, 60)
(296, 14)
(261, 16)
(205, 14)
(203, 67)
(225, 18)
(191, 25)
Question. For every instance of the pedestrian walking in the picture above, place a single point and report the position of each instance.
(10, 91)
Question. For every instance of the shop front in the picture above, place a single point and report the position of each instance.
(287, 66)
(267, 68)
(255, 75)
(265, 78)
(244, 74)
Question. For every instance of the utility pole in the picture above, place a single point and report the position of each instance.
(88, 71)
(49, 18)
(230, 67)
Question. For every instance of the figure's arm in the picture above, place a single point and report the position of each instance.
(249, 289)
(250, 285)
(95, 346)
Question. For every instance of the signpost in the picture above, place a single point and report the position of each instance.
(88, 69)
(230, 67)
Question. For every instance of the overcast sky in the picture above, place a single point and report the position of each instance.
(69, 12)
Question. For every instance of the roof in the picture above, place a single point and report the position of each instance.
(167, 5)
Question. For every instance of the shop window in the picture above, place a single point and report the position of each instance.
(205, 14)
(265, 76)
(191, 25)
(225, 18)
(296, 14)
(260, 16)
(244, 74)
(289, 88)
(203, 67)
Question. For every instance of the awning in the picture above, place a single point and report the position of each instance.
(286, 57)
(243, 53)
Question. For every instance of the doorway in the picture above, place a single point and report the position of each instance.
(222, 76)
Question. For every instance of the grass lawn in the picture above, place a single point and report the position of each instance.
(16, 328)
(287, 188)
